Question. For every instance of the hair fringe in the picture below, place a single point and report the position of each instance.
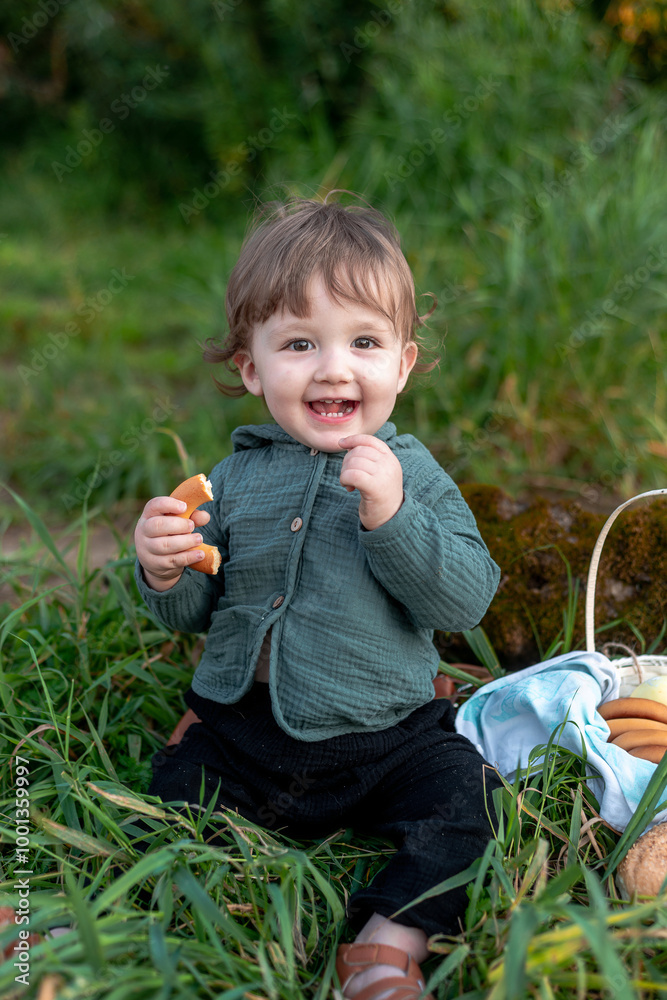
(380, 232)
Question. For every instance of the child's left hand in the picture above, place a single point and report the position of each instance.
(371, 467)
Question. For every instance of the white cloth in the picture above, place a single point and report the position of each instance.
(509, 717)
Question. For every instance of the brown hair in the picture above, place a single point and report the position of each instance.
(355, 250)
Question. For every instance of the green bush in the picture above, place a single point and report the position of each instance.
(523, 164)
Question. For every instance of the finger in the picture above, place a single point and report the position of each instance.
(156, 527)
(363, 452)
(169, 544)
(164, 505)
(350, 475)
(162, 564)
(189, 558)
(200, 517)
(356, 479)
(354, 440)
(193, 556)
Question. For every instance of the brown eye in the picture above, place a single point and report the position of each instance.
(364, 343)
(299, 345)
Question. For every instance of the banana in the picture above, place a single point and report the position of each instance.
(623, 708)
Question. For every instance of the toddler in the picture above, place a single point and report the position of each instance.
(344, 545)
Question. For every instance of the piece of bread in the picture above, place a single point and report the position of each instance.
(211, 561)
(195, 491)
(641, 738)
(643, 869)
(618, 726)
(643, 708)
(652, 752)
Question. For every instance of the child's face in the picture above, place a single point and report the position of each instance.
(333, 374)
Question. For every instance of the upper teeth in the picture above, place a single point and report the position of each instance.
(337, 413)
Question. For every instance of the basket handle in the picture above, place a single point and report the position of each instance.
(593, 569)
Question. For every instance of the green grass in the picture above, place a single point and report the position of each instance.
(90, 686)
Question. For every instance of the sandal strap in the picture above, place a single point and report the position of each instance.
(358, 956)
(398, 987)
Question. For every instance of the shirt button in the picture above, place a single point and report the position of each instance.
(278, 601)
(296, 524)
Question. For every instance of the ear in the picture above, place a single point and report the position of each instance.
(248, 372)
(408, 361)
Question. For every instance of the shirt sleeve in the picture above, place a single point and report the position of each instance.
(431, 558)
(190, 603)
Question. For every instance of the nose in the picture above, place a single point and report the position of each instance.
(333, 367)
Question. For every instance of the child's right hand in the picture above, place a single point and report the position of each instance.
(166, 543)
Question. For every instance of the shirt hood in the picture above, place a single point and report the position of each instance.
(261, 435)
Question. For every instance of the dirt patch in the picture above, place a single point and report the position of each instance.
(21, 547)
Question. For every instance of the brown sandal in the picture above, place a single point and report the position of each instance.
(357, 957)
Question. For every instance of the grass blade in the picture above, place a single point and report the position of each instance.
(43, 533)
(650, 803)
(479, 642)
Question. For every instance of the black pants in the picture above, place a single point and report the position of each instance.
(419, 784)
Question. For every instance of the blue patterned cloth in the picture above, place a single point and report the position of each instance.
(509, 717)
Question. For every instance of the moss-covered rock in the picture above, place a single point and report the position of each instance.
(534, 543)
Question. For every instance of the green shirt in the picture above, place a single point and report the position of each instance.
(352, 612)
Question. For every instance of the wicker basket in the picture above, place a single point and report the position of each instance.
(633, 669)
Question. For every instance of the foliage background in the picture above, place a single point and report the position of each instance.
(463, 122)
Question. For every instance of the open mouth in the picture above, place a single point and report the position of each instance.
(334, 409)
